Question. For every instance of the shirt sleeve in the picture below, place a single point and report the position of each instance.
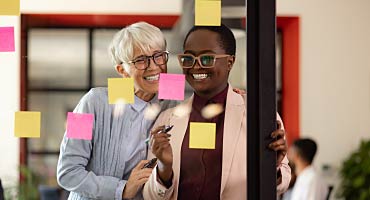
(155, 190)
(73, 160)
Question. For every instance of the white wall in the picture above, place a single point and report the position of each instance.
(334, 74)
(9, 103)
(99, 6)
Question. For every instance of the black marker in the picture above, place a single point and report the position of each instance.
(150, 164)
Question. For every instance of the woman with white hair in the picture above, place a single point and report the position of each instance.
(110, 166)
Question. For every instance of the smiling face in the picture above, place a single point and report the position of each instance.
(207, 82)
(145, 81)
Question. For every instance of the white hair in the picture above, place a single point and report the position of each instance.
(140, 35)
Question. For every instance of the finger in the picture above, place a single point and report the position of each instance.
(278, 134)
(156, 130)
(144, 173)
(161, 135)
(142, 181)
(280, 149)
(158, 147)
(276, 144)
(157, 138)
(280, 141)
(278, 124)
(140, 165)
(158, 141)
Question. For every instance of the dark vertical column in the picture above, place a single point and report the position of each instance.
(261, 106)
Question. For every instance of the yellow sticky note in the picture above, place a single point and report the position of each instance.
(9, 7)
(207, 13)
(202, 135)
(121, 90)
(27, 124)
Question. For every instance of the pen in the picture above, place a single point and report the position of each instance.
(150, 164)
(166, 129)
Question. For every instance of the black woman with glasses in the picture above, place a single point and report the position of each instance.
(111, 165)
(184, 172)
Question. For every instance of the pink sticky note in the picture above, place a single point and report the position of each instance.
(79, 126)
(171, 86)
(6, 39)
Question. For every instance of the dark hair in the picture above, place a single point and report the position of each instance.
(226, 38)
(306, 149)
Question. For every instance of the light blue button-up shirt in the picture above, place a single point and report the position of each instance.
(100, 168)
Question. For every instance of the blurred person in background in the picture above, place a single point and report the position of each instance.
(308, 185)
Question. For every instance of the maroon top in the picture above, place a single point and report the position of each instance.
(201, 169)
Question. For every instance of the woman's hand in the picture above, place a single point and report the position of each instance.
(136, 180)
(161, 148)
(279, 144)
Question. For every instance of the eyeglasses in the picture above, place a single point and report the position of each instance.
(204, 60)
(143, 62)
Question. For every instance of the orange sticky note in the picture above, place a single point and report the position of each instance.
(121, 90)
(202, 135)
(9, 7)
(207, 13)
(27, 124)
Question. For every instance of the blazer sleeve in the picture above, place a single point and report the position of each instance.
(74, 157)
(154, 189)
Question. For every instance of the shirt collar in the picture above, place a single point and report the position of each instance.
(140, 104)
(219, 98)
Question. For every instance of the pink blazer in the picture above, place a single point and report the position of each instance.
(234, 169)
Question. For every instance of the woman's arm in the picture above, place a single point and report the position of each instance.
(74, 158)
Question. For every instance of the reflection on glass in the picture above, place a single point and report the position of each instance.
(53, 107)
(58, 58)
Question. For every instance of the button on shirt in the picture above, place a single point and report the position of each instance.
(100, 168)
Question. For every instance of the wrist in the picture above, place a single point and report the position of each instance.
(164, 167)
(165, 178)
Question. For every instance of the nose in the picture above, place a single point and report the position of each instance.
(151, 64)
(197, 65)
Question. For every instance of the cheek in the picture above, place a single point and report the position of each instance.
(163, 69)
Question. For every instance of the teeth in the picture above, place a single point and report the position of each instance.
(152, 78)
(200, 76)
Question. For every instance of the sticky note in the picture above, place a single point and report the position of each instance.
(80, 125)
(27, 124)
(202, 135)
(9, 7)
(171, 86)
(207, 13)
(6, 39)
(121, 90)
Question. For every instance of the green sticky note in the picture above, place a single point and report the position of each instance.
(207, 13)
(9, 7)
(27, 124)
(202, 135)
(121, 90)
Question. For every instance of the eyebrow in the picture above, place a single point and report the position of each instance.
(143, 55)
(200, 52)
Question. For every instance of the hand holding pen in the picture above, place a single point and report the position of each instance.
(162, 129)
(160, 146)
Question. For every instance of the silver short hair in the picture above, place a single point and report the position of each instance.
(140, 35)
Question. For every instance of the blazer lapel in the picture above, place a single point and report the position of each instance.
(234, 111)
(180, 124)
